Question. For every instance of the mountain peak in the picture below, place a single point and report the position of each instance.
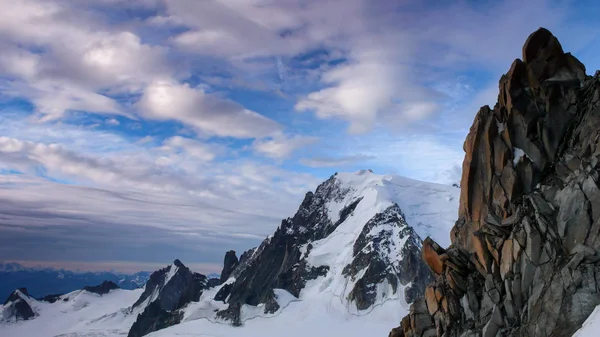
(18, 306)
(525, 246)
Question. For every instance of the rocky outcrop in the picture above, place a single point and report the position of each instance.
(103, 288)
(17, 307)
(154, 318)
(168, 290)
(525, 248)
(229, 263)
(375, 268)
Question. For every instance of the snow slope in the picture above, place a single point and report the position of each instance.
(318, 317)
(431, 209)
(591, 326)
(79, 313)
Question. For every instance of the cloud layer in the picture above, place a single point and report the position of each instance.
(180, 127)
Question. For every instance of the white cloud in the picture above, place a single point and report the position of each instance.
(207, 113)
(191, 147)
(112, 122)
(282, 146)
(84, 62)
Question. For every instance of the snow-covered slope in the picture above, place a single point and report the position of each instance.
(431, 209)
(78, 313)
(591, 326)
(348, 262)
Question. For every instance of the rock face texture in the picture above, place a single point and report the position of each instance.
(17, 307)
(525, 249)
(103, 288)
(168, 290)
(387, 250)
(229, 263)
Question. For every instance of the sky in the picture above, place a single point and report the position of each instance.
(134, 132)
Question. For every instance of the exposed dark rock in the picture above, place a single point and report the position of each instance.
(213, 282)
(51, 298)
(16, 307)
(244, 261)
(154, 318)
(224, 292)
(15, 295)
(103, 288)
(229, 263)
(368, 256)
(231, 314)
(280, 262)
(281, 252)
(525, 248)
(271, 305)
(167, 290)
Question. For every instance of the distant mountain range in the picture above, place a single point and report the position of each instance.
(42, 282)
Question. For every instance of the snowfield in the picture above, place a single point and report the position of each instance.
(78, 313)
(316, 317)
(322, 308)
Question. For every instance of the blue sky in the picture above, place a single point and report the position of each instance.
(136, 132)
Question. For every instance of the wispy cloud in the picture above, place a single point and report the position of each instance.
(204, 122)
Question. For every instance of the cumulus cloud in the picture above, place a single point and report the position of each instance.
(207, 113)
(84, 63)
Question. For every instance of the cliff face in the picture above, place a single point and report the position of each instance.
(525, 247)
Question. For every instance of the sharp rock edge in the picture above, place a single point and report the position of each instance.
(524, 258)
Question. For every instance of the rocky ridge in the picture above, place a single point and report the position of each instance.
(17, 306)
(168, 290)
(524, 257)
(386, 251)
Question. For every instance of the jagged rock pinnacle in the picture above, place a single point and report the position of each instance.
(524, 248)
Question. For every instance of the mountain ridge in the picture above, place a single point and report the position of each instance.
(348, 250)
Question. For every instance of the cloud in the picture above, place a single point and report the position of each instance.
(335, 161)
(191, 147)
(112, 121)
(207, 113)
(66, 202)
(78, 60)
(155, 116)
(282, 146)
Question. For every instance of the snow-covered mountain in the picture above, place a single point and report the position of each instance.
(348, 262)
